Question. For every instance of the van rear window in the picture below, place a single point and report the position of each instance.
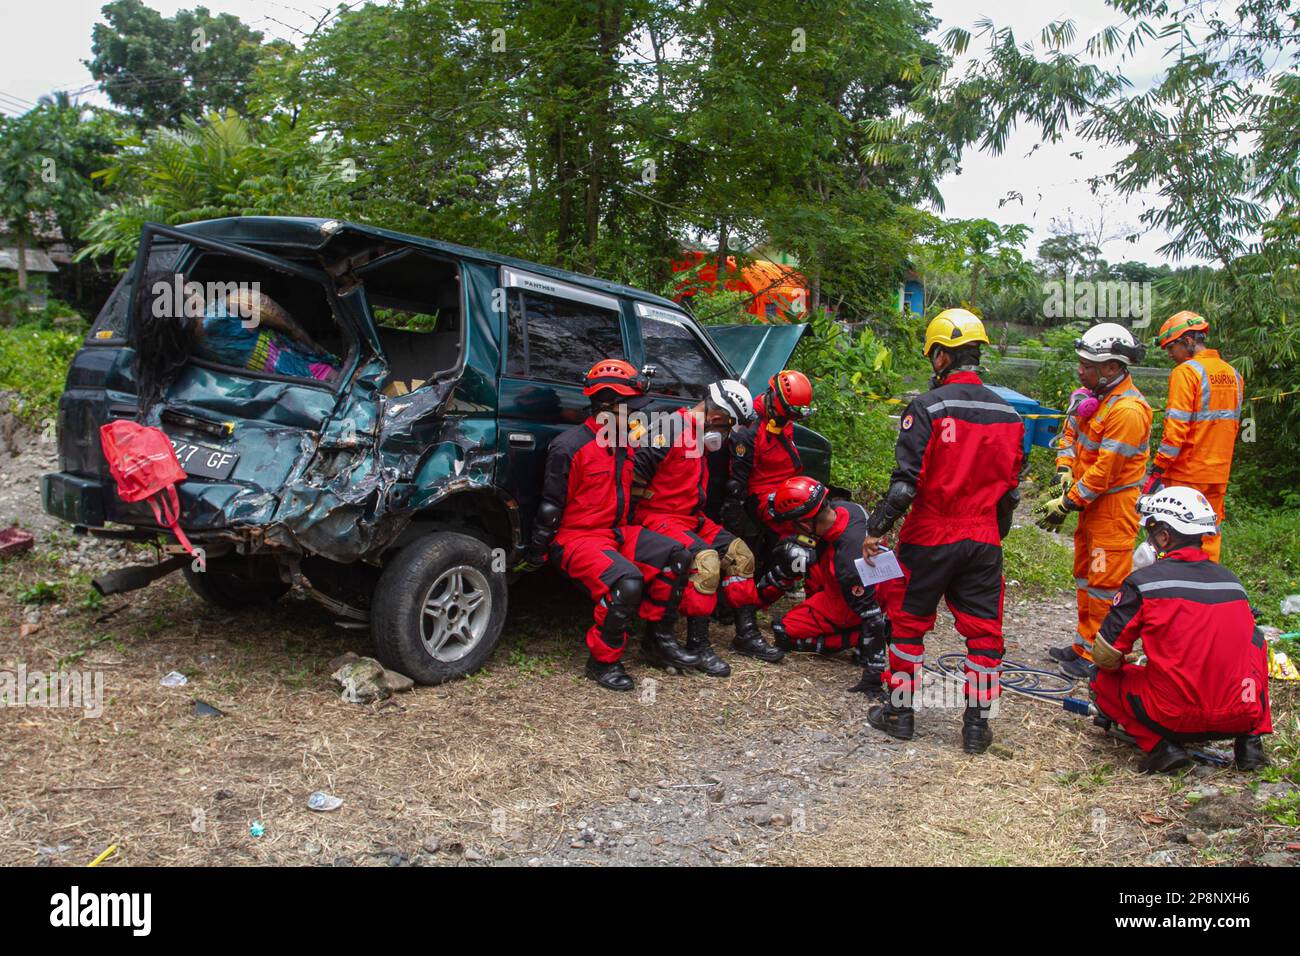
(112, 321)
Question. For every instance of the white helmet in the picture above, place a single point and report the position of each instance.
(1109, 341)
(1185, 510)
(733, 398)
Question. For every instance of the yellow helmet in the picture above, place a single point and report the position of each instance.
(954, 327)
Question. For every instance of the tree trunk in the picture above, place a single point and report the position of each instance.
(22, 262)
(722, 255)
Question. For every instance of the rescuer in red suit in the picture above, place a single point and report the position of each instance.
(763, 455)
(838, 611)
(959, 454)
(671, 486)
(583, 527)
(1206, 669)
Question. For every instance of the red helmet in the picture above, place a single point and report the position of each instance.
(797, 498)
(616, 374)
(788, 393)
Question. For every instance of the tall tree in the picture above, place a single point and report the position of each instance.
(164, 69)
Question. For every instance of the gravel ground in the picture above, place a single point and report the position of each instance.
(528, 763)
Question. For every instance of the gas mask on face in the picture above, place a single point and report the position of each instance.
(1145, 555)
(713, 439)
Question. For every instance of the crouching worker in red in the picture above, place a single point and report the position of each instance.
(671, 484)
(763, 454)
(582, 527)
(839, 611)
(1206, 671)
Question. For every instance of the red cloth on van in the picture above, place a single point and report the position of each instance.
(143, 464)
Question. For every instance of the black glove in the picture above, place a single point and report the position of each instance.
(733, 516)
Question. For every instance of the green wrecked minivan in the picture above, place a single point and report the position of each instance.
(377, 435)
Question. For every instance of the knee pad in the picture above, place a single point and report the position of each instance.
(627, 592)
(739, 560)
(706, 571)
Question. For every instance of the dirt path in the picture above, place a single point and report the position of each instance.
(528, 763)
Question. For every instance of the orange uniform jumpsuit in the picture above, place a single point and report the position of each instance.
(1107, 455)
(1202, 418)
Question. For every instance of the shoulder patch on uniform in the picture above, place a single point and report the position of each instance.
(660, 440)
(907, 422)
(1119, 595)
(740, 450)
(859, 590)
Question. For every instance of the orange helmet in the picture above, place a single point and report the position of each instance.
(1178, 325)
(797, 498)
(789, 393)
(615, 374)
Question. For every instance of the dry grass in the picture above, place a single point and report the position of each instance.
(505, 762)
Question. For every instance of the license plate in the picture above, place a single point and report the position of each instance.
(204, 461)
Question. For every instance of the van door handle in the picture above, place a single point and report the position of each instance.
(521, 440)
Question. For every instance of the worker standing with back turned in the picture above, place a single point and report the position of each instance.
(1202, 418)
(1111, 446)
(960, 453)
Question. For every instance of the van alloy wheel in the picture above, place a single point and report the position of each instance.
(456, 612)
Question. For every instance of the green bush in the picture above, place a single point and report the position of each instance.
(34, 365)
(1040, 561)
(1262, 547)
(851, 371)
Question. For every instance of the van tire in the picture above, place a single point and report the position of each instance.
(439, 608)
(232, 592)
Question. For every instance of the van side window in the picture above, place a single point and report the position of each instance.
(415, 301)
(557, 340)
(683, 367)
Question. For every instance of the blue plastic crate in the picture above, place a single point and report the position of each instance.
(1038, 431)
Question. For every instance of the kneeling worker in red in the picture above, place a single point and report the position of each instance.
(582, 526)
(1206, 670)
(671, 483)
(839, 611)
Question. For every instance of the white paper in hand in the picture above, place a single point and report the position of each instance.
(885, 568)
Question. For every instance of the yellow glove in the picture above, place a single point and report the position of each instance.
(1054, 512)
(1063, 480)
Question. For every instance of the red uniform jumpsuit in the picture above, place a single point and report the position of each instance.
(591, 483)
(763, 456)
(961, 446)
(673, 476)
(836, 597)
(1206, 673)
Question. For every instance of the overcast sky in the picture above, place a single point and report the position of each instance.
(44, 41)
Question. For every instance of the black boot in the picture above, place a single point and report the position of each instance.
(659, 645)
(1248, 750)
(872, 683)
(781, 638)
(1079, 669)
(611, 676)
(697, 643)
(976, 735)
(896, 721)
(1165, 758)
(749, 640)
(1063, 655)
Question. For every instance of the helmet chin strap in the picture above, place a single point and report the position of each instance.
(1104, 386)
(938, 378)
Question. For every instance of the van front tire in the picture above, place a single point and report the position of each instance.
(439, 608)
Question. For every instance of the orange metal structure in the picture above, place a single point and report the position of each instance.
(777, 290)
